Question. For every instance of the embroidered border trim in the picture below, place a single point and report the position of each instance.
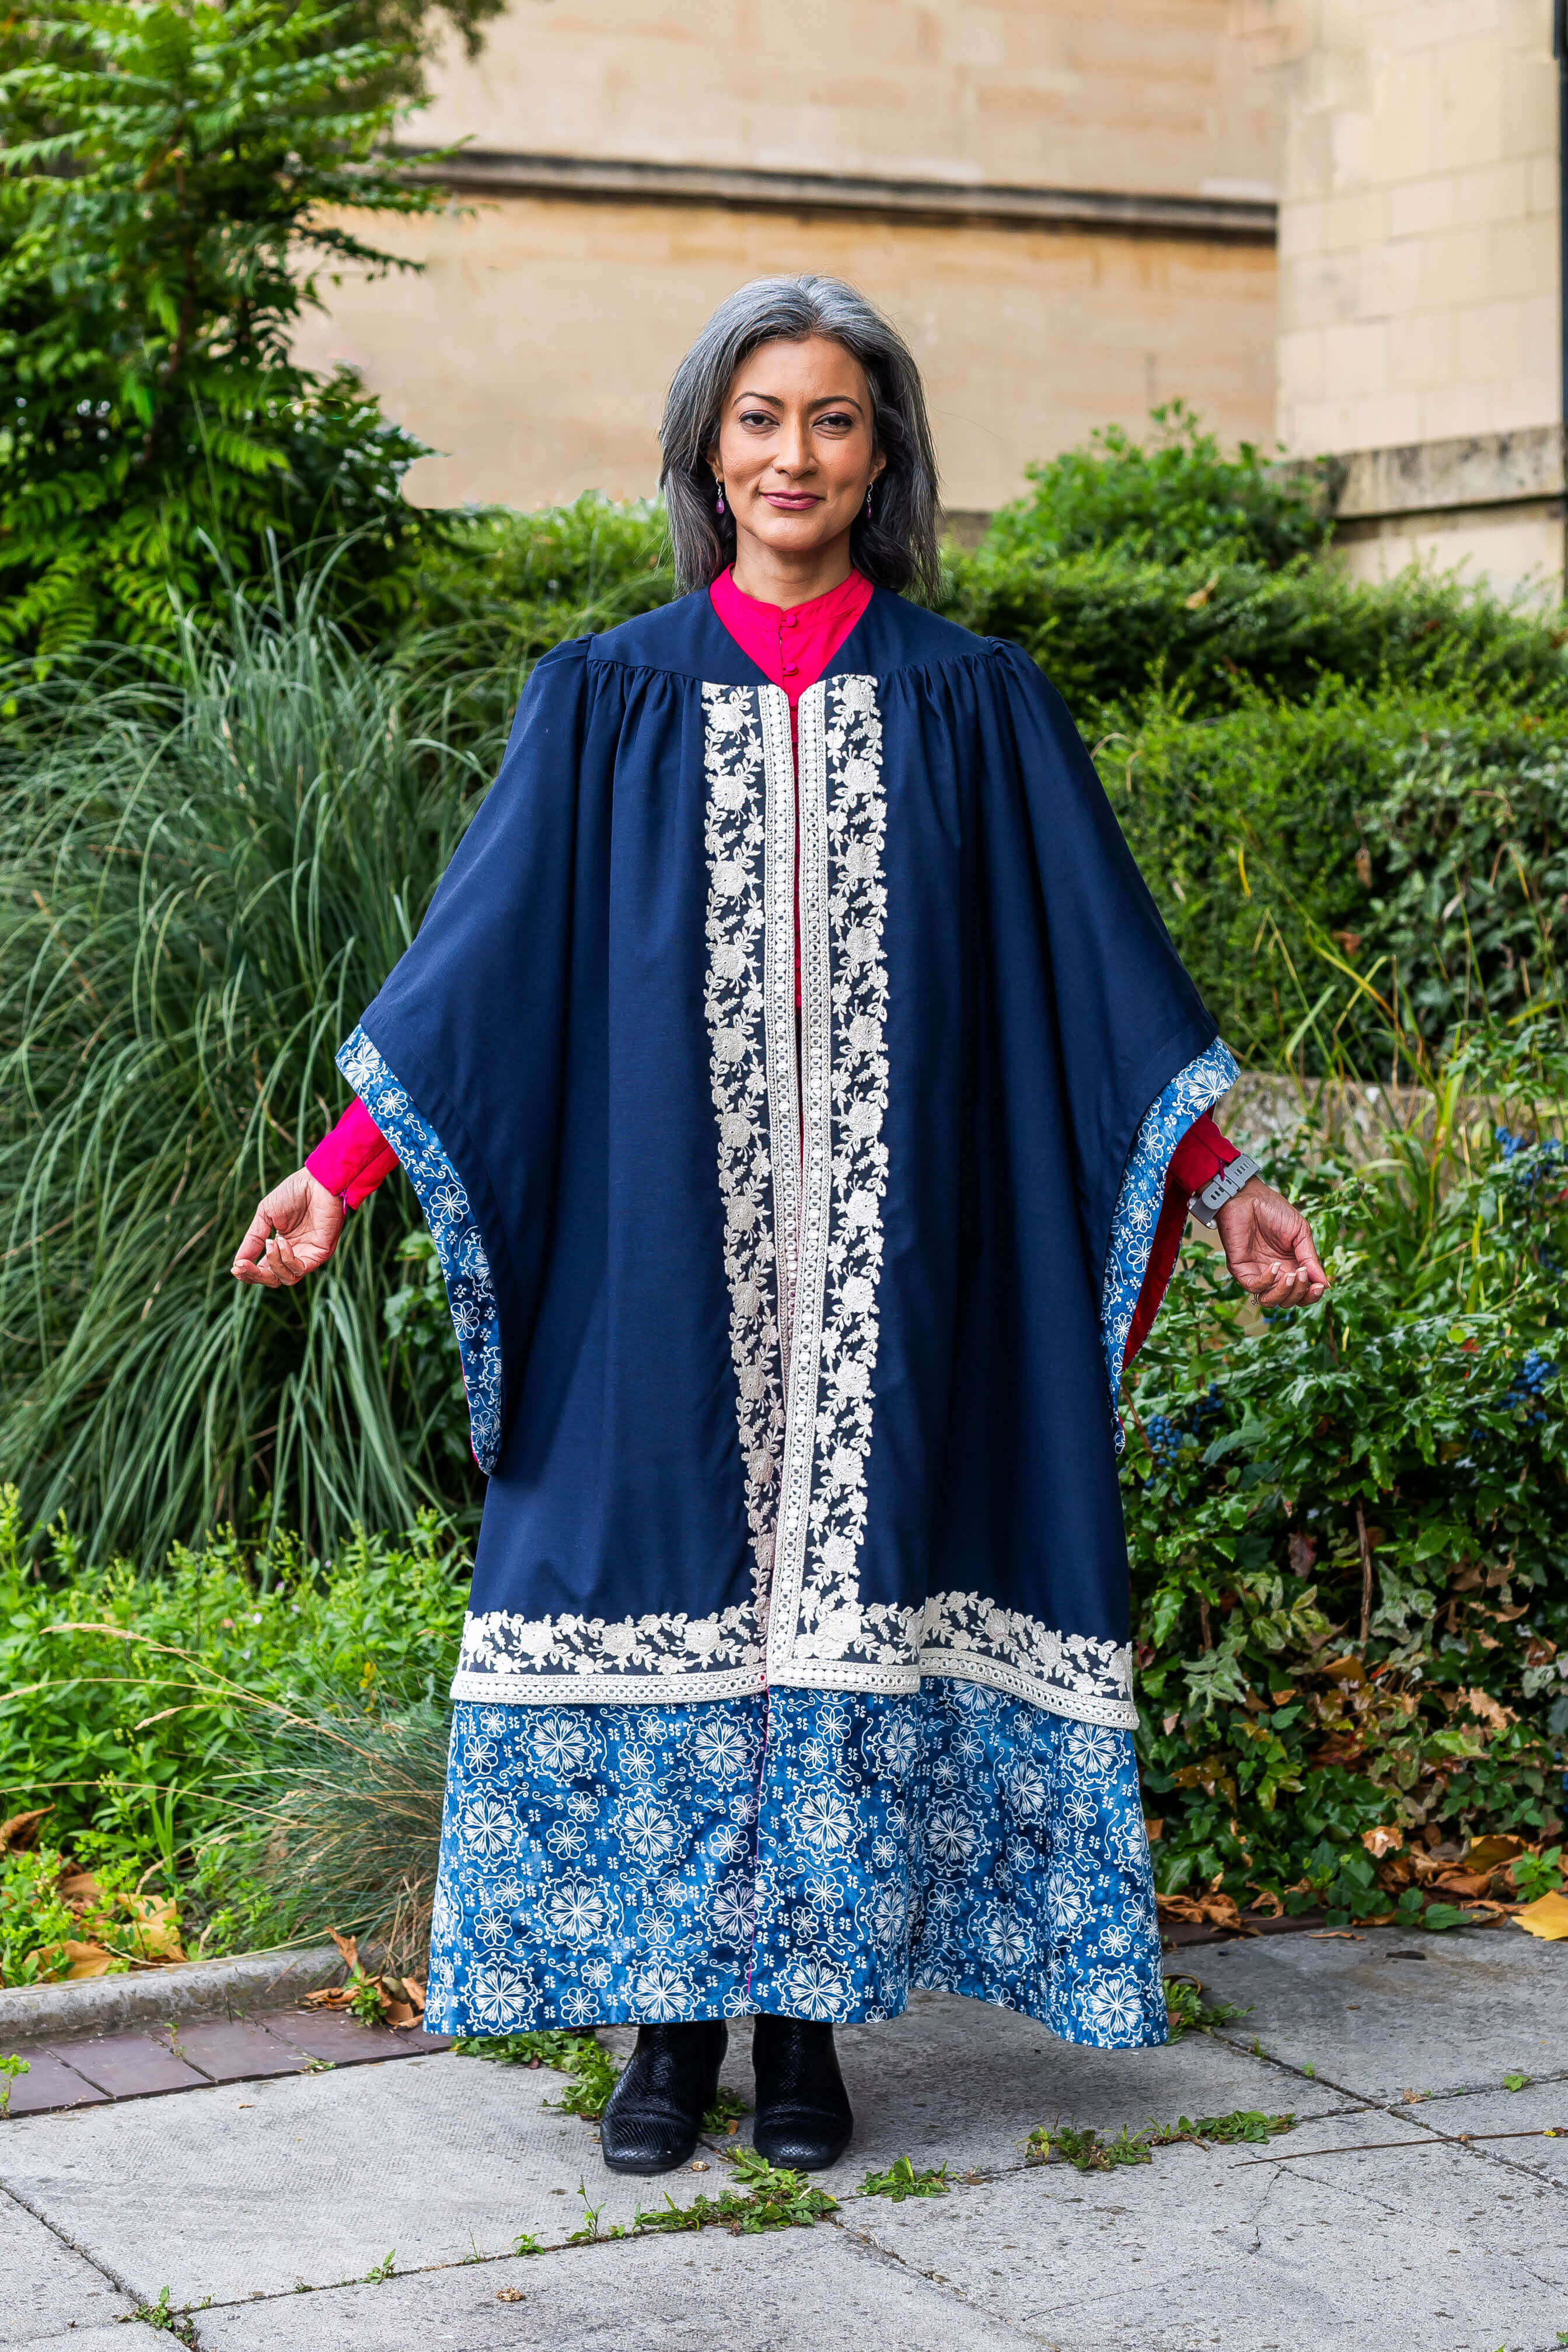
(755, 1144)
(818, 1618)
(549, 1661)
(453, 1229)
(1194, 1090)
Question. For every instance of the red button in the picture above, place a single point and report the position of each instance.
(789, 620)
(790, 669)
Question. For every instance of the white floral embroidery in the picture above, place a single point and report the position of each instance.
(1190, 1093)
(453, 1229)
(736, 998)
(544, 1660)
(820, 1630)
(1073, 1674)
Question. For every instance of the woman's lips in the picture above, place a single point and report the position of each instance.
(791, 501)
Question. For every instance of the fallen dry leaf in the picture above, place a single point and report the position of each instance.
(1333, 1936)
(88, 1960)
(1153, 1828)
(1200, 1910)
(1382, 1840)
(1547, 1916)
(1267, 1902)
(330, 1996)
(1464, 1885)
(1344, 1670)
(348, 1945)
(22, 1829)
(1488, 1853)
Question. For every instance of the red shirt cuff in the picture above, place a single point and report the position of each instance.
(354, 1157)
(1200, 1155)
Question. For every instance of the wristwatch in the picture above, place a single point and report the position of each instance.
(1207, 1204)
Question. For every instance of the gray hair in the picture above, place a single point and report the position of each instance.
(895, 545)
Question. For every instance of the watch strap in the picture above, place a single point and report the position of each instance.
(1207, 1204)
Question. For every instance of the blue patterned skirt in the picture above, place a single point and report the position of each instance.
(811, 1854)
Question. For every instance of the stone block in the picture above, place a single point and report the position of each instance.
(47, 2285)
(129, 2065)
(49, 2083)
(1203, 2248)
(1467, 2009)
(233, 2051)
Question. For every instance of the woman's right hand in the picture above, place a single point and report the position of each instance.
(293, 1233)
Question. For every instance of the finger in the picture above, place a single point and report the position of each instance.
(253, 1245)
(262, 1273)
(288, 1260)
(1307, 1256)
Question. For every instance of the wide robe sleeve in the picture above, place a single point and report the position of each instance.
(460, 1058)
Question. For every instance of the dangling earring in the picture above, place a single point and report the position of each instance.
(868, 501)
(721, 498)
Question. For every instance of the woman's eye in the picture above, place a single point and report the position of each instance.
(838, 423)
(756, 417)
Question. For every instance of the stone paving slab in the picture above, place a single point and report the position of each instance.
(792, 2291)
(128, 2065)
(1197, 2249)
(124, 2335)
(254, 2186)
(1541, 2102)
(231, 2050)
(339, 2040)
(49, 2082)
(47, 2286)
(1473, 2006)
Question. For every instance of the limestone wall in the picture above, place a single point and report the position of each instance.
(1418, 221)
(535, 351)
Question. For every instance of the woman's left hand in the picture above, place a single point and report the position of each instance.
(1269, 1248)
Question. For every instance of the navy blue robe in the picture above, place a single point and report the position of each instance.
(793, 1341)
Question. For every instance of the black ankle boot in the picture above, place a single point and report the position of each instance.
(656, 2109)
(803, 2117)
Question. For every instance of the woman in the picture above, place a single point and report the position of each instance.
(806, 1101)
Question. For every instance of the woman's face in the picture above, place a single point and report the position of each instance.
(795, 451)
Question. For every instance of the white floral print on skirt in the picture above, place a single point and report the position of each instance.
(805, 1853)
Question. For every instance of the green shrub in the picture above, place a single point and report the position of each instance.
(500, 589)
(173, 178)
(1313, 858)
(1171, 499)
(1108, 632)
(1469, 849)
(1398, 1454)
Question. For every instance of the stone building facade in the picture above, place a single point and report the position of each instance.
(1067, 205)
(1332, 220)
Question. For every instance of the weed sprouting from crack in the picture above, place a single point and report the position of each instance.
(1087, 2152)
(162, 2316)
(901, 2180)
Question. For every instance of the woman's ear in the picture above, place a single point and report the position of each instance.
(878, 464)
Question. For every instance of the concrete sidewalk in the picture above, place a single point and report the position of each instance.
(374, 2208)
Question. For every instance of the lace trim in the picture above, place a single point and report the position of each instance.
(816, 1615)
(739, 997)
(466, 1269)
(1190, 1093)
(534, 1662)
(959, 1636)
